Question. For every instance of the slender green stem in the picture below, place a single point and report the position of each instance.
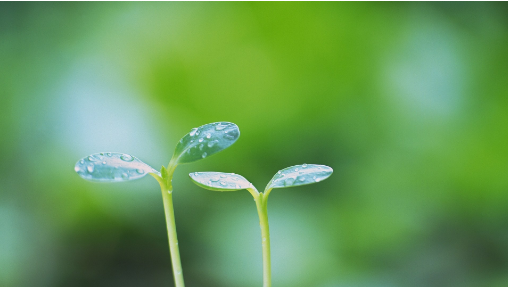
(261, 204)
(167, 198)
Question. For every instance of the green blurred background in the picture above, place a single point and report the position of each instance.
(408, 102)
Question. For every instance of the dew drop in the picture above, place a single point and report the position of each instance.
(201, 140)
(304, 165)
(301, 178)
(101, 153)
(209, 182)
(229, 137)
(77, 168)
(126, 157)
(208, 136)
(237, 186)
(109, 154)
(91, 158)
(279, 172)
(289, 181)
(125, 176)
(204, 155)
(191, 141)
(140, 170)
(264, 239)
(222, 183)
(82, 161)
(220, 127)
(211, 144)
(201, 146)
(223, 175)
(193, 132)
(90, 168)
(214, 179)
(296, 169)
(104, 162)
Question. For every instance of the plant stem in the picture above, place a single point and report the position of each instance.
(167, 198)
(261, 204)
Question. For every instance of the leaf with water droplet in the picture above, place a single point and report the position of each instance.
(299, 175)
(112, 167)
(220, 181)
(204, 141)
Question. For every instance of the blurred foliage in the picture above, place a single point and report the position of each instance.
(406, 101)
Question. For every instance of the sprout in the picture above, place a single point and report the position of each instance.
(199, 143)
(291, 176)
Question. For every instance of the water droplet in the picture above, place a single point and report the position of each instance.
(211, 144)
(214, 179)
(209, 182)
(101, 153)
(82, 161)
(204, 155)
(289, 181)
(193, 132)
(279, 172)
(201, 140)
(304, 165)
(191, 141)
(264, 239)
(220, 127)
(208, 136)
(229, 137)
(126, 157)
(77, 168)
(237, 186)
(109, 154)
(104, 162)
(197, 133)
(140, 170)
(301, 178)
(125, 176)
(223, 176)
(296, 169)
(90, 168)
(222, 183)
(178, 272)
(91, 158)
(201, 146)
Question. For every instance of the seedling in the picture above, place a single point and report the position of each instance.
(198, 144)
(290, 176)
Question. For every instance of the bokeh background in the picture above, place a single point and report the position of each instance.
(408, 102)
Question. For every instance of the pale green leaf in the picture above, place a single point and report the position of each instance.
(299, 175)
(112, 167)
(220, 181)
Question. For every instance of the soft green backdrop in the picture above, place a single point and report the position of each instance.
(408, 102)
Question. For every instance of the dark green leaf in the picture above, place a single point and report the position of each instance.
(204, 141)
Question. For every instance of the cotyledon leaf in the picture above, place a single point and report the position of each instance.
(299, 175)
(112, 167)
(204, 141)
(220, 181)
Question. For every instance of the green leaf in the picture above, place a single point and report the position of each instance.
(112, 167)
(299, 175)
(220, 181)
(204, 141)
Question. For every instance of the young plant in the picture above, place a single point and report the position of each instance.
(198, 144)
(291, 176)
